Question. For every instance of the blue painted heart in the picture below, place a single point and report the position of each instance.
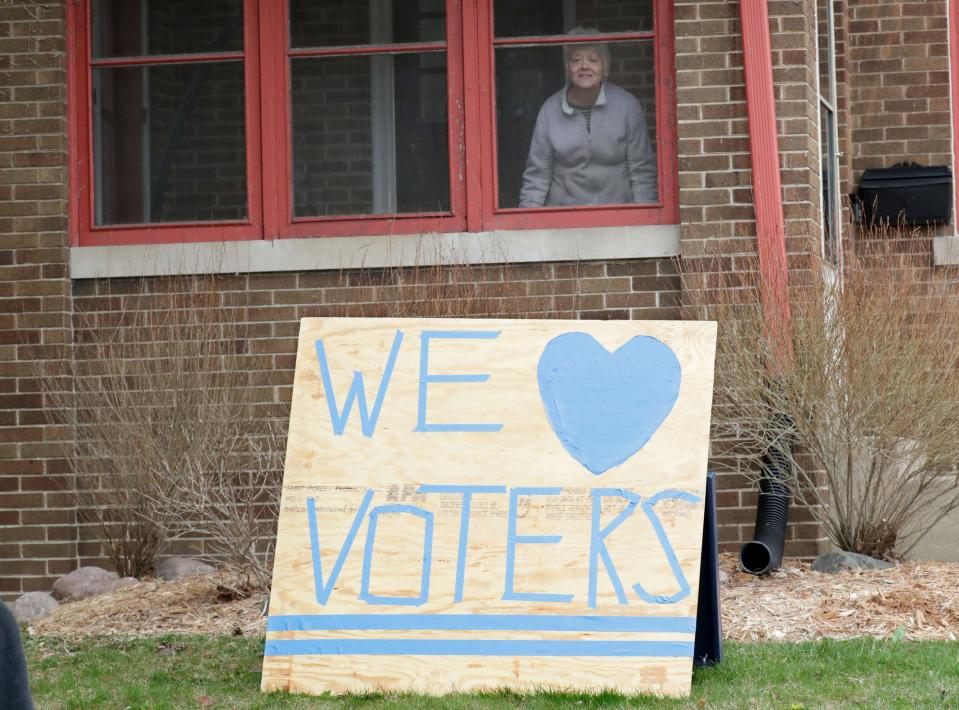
(603, 406)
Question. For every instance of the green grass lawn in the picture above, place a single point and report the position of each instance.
(218, 672)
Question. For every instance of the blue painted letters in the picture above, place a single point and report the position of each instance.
(365, 593)
(323, 591)
(597, 545)
(357, 391)
(667, 548)
(467, 492)
(512, 540)
(426, 378)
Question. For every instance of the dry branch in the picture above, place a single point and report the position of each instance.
(871, 399)
(168, 441)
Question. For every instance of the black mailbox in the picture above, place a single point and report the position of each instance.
(906, 194)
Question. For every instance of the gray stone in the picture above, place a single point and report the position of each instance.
(178, 567)
(833, 562)
(33, 606)
(84, 582)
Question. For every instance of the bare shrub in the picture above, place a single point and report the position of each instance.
(866, 395)
(169, 441)
(229, 495)
(442, 283)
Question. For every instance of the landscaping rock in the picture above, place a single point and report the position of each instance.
(178, 567)
(84, 582)
(833, 562)
(32, 606)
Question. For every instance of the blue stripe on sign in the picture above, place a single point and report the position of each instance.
(459, 647)
(481, 622)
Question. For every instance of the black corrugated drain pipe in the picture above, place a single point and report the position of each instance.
(764, 553)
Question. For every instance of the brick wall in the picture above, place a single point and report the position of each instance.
(37, 516)
(718, 228)
(267, 309)
(899, 71)
(898, 57)
(39, 305)
(843, 97)
(39, 525)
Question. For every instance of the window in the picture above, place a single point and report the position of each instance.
(252, 119)
(828, 132)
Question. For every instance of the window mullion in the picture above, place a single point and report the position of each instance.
(457, 81)
(274, 102)
(478, 143)
(254, 114)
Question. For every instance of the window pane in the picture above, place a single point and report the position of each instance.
(823, 25)
(370, 134)
(169, 143)
(830, 182)
(561, 162)
(337, 23)
(524, 18)
(125, 28)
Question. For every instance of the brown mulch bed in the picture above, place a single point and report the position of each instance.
(792, 604)
(195, 605)
(797, 604)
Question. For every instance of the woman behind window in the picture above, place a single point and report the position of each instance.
(590, 145)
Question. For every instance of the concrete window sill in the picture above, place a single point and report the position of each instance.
(945, 251)
(335, 253)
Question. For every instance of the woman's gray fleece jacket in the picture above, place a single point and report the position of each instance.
(612, 163)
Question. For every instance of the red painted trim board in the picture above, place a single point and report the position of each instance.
(954, 96)
(767, 186)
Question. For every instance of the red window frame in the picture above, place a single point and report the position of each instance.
(80, 140)
(470, 47)
(664, 212)
(281, 222)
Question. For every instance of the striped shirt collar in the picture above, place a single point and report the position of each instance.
(600, 100)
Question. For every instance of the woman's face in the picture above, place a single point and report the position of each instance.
(585, 68)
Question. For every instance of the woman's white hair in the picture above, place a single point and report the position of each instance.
(601, 48)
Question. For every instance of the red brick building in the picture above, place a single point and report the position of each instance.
(294, 148)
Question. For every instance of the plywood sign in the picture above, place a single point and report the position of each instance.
(477, 504)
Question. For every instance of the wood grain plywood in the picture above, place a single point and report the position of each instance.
(491, 504)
